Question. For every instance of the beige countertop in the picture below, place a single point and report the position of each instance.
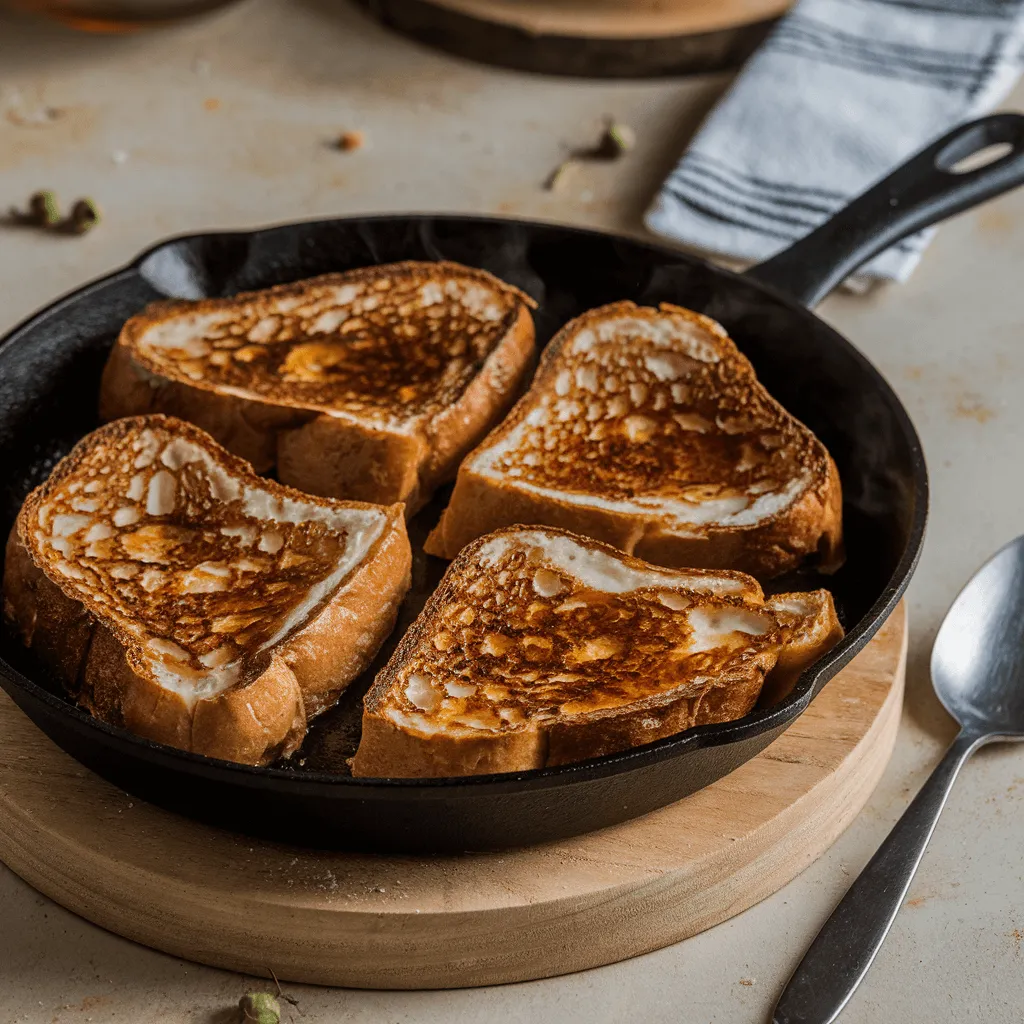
(228, 123)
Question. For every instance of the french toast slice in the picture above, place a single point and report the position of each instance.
(541, 647)
(181, 596)
(369, 385)
(647, 429)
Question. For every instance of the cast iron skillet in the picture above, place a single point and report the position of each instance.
(49, 372)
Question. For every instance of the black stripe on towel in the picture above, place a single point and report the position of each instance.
(959, 8)
(790, 197)
(730, 204)
(725, 218)
(869, 67)
(951, 60)
(757, 199)
(687, 176)
(839, 49)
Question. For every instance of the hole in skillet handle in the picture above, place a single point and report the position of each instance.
(981, 144)
(978, 159)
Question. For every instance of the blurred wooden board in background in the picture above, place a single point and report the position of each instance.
(588, 38)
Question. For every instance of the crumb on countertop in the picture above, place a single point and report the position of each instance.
(84, 216)
(349, 142)
(259, 1008)
(615, 140)
(32, 117)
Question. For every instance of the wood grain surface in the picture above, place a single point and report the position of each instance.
(619, 19)
(403, 922)
(589, 38)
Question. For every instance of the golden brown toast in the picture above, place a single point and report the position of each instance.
(541, 647)
(370, 385)
(183, 597)
(647, 429)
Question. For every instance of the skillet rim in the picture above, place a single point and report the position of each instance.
(758, 722)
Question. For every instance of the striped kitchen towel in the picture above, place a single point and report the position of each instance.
(840, 93)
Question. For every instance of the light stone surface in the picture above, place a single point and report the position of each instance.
(227, 123)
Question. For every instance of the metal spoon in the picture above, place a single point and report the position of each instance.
(978, 674)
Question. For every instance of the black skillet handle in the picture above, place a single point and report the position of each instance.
(921, 192)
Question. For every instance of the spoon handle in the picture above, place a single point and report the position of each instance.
(842, 952)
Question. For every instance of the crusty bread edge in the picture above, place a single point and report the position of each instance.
(812, 638)
(255, 722)
(458, 429)
(331, 455)
(318, 453)
(339, 644)
(811, 524)
(386, 749)
(245, 427)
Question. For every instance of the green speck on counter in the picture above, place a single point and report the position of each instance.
(84, 216)
(44, 209)
(259, 1008)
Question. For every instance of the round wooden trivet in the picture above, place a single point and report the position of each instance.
(478, 919)
(593, 38)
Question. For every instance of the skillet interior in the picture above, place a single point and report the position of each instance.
(49, 374)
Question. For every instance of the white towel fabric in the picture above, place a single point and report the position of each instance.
(839, 94)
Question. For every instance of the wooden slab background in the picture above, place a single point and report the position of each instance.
(619, 19)
(457, 921)
(592, 38)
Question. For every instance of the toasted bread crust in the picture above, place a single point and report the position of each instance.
(344, 638)
(811, 626)
(386, 751)
(264, 715)
(57, 627)
(485, 500)
(347, 455)
(617, 706)
(245, 428)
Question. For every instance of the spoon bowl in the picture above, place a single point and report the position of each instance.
(978, 656)
(978, 674)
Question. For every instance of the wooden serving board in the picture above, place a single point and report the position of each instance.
(456, 921)
(598, 38)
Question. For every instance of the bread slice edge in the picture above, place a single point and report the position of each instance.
(327, 455)
(389, 750)
(481, 503)
(254, 722)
